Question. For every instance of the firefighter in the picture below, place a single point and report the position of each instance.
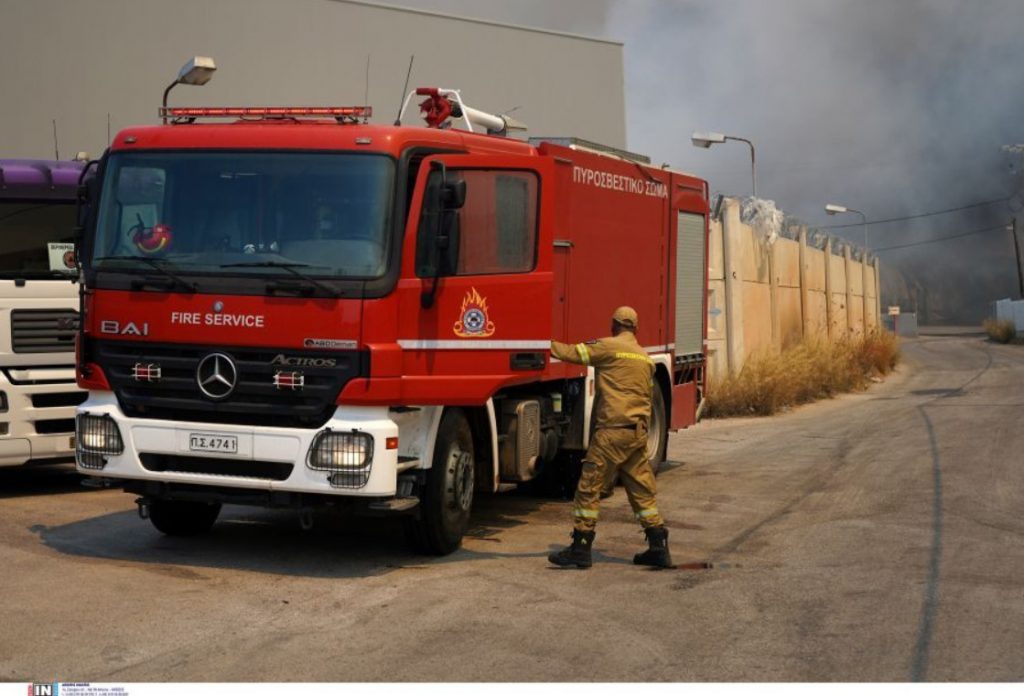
(625, 384)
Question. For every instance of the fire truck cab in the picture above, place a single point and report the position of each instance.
(296, 308)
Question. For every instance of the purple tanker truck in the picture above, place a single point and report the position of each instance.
(38, 311)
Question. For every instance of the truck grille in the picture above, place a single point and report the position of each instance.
(254, 401)
(43, 330)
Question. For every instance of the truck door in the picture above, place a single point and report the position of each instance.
(477, 291)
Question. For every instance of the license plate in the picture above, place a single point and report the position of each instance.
(205, 442)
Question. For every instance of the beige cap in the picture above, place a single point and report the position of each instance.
(626, 316)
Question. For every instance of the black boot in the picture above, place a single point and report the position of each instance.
(578, 554)
(657, 554)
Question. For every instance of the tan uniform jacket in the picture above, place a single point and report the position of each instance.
(625, 377)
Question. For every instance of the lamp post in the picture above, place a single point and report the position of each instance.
(197, 71)
(833, 209)
(1012, 229)
(706, 140)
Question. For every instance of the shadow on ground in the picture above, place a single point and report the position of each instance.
(52, 479)
(271, 541)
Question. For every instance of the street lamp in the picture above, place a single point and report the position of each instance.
(706, 140)
(197, 71)
(833, 209)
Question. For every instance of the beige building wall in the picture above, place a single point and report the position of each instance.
(78, 61)
(781, 299)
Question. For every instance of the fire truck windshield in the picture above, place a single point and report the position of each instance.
(37, 239)
(246, 214)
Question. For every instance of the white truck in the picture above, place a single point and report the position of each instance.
(38, 311)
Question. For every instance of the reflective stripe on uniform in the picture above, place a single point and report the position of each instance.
(583, 353)
(634, 356)
(649, 512)
(588, 514)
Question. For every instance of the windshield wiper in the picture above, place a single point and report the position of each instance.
(290, 267)
(161, 265)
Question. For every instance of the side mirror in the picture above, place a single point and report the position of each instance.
(88, 190)
(440, 229)
(453, 194)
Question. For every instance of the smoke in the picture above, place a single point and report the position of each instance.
(890, 108)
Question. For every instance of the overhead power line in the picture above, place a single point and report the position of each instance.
(915, 217)
(942, 239)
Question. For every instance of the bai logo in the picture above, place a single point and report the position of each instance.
(110, 326)
(44, 689)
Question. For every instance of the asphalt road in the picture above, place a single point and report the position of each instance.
(873, 537)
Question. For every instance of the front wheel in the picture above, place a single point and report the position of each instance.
(657, 434)
(447, 496)
(183, 517)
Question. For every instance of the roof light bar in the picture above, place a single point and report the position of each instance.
(242, 111)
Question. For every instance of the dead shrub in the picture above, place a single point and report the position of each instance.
(811, 370)
(1000, 331)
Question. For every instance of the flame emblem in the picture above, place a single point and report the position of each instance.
(473, 321)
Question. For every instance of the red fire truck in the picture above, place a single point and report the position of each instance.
(296, 308)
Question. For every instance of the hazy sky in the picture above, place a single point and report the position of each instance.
(893, 107)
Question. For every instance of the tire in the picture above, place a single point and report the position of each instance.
(183, 517)
(446, 498)
(657, 435)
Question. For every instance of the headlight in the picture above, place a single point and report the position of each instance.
(334, 451)
(96, 436)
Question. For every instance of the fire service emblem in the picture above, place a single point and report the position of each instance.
(473, 321)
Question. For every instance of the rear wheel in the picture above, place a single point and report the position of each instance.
(657, 434)
(447, 496)
(183, 517)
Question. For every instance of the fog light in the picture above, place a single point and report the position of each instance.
(340, 451)
(96, 436)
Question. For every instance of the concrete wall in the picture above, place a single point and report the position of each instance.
(77, 61)
(768, 297)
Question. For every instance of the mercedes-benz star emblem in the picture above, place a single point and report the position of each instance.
(216, 376)
(218, 306)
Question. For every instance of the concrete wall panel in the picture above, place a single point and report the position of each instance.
(817, 324)
(838, 273)
(757, 319)
(815, 273)
(716, 264)
(857, 279)
(857, 312)
(839, 315)
(790, 316)
(787, 263)
(755, 257)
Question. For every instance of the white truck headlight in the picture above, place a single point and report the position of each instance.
(95, 438)
(340, 451)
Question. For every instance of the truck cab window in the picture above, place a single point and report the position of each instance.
(497, 223)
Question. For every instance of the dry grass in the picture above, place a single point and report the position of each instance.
(811, 370)
(1000, 331)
